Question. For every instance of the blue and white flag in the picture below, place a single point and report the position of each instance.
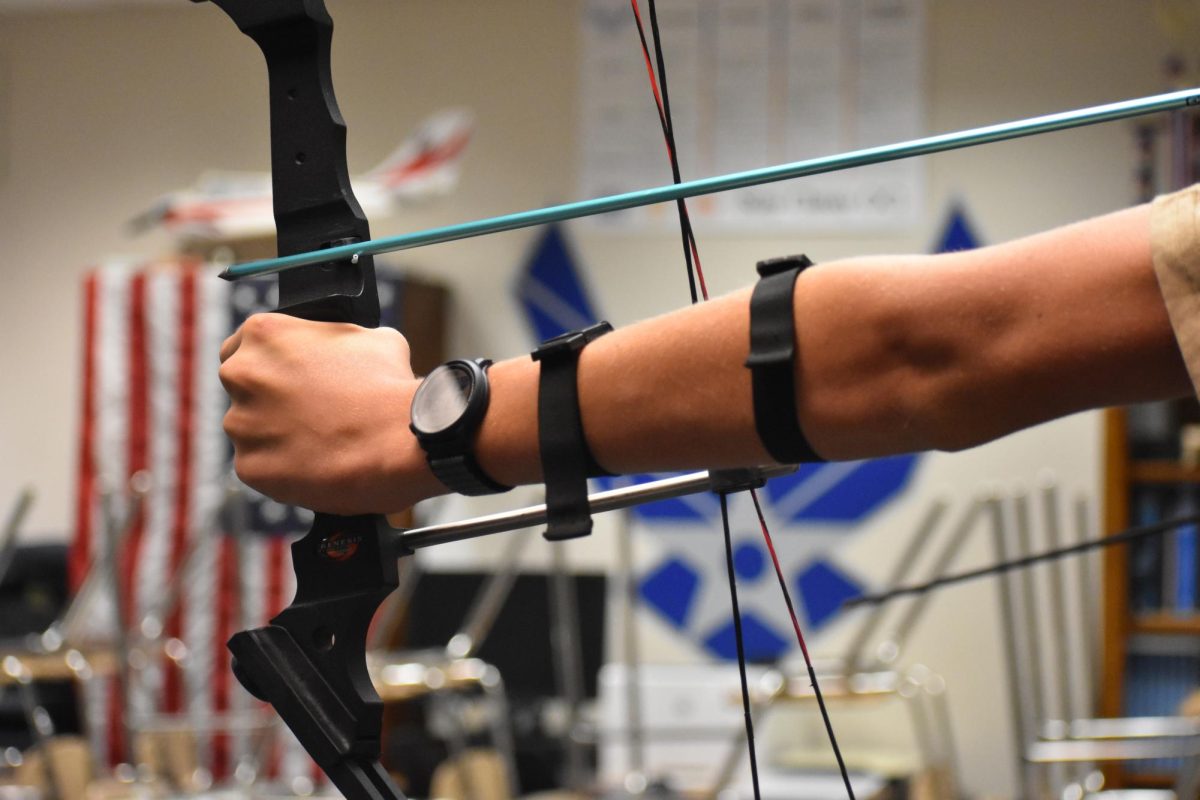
(957, 232)
(812, 512)
(551, 290)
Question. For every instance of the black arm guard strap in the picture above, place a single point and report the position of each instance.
(772, 361)
(566, 458)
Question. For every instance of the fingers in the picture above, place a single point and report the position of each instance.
(257, 328)
(236, 377)
(230, 345)
(313, 397)
(257, 343)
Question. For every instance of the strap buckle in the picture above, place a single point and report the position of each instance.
(774, 266)
(571, 341)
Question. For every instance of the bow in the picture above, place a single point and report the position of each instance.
(309, 662)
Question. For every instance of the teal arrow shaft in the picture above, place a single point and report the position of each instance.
(723, 183)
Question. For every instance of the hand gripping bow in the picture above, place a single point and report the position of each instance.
(309, 662)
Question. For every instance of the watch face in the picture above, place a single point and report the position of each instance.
(442, 398)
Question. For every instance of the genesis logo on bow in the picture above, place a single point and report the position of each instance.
(339, 546)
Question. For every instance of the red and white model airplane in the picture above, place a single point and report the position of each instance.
(237, 205)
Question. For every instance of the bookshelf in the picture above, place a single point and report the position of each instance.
(1151, 636)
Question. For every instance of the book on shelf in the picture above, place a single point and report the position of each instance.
(1164, 571)
(1161, 672)
(1152, 430)
(1184, 541)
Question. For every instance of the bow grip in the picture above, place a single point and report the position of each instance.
(309, 662)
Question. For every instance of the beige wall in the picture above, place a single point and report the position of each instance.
(104, 110)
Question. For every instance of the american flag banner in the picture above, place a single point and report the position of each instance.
(152, 402)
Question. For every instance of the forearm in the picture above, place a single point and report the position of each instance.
(666, 393)
(894, 354)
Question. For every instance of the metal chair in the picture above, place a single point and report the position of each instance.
(860, 675)
(1058, 740)
(450, 675)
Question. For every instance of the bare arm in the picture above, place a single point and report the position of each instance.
(895, 354)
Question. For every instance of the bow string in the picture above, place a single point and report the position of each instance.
(691, 255)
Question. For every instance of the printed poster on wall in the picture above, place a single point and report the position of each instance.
(755, 83)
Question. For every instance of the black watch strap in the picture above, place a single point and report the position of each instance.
(772, 360)
(463, 474)
(566, 458)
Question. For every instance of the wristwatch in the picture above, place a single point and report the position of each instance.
(447, 410)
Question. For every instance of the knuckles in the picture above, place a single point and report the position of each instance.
(263, 326)
(396, 346)
(250, 470)
(234, 425)
(239, 380)
(395, 339)
(273, 448)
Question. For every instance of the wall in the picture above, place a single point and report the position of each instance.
(103, 110)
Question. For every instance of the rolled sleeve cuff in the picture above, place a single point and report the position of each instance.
(1175, 240)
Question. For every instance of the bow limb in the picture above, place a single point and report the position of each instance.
(315, 207)
(310, 661)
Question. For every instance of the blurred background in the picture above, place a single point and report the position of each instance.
(114, 115)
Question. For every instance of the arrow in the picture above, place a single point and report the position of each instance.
(722, 183)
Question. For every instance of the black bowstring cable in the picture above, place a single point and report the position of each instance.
(691, 252)
(737, 636)
(662, 101)
(812, 673)
(685, 219)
